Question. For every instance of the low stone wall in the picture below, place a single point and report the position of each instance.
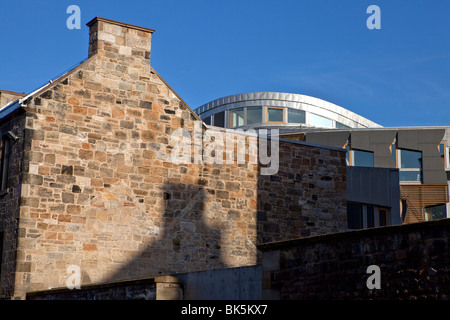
(413, 261)
(159, 288)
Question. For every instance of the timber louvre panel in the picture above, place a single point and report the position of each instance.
(420, 196)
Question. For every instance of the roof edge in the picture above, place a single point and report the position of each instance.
(122, 24)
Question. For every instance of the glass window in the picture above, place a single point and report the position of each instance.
(207, 120)
(410, 159)
(370, 217)
(414, 175)
(219, 119)
(236, 117)
(319, 121)
(442, 153)
(362, 158)
(394, 153)
(275, 114)
(354, 216)
(347, 154)
(436, 212)
(341, 126)
(382, 217)
(254, 115)
(296, 116)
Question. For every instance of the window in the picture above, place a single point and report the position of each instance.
(383, 217)
(362, 158)
(254, 115)
(370, 217)
(348, 155)
(318, 121)
(296, 116)
(435, 212)
(341, 126)
(236, 117)
(360, 216)
(394, 153)
(275, 114)
(4, 163)
(442, 153)
(410, 165)
(219, 119)
(207, 120)
(354, 216)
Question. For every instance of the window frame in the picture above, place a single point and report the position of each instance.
(387, 216)
(231, 112)
(267, 114)
(299, 111)
(444, 153)
(364, 151)
(399, 167)
(260, 112)
(429, 217)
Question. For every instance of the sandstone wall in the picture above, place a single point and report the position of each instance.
(99, 192)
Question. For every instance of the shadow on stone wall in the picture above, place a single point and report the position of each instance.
(185, 241)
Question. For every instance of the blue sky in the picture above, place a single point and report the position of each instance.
(398, 75)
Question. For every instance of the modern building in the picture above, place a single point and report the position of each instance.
(420, 154)
(279, 110)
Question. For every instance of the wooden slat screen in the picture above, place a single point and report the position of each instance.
(420, 196)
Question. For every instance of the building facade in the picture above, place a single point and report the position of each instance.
(420, 154)
(87, 184)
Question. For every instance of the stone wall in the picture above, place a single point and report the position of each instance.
(99, 192)
(159, 288)
(414, 263)
(9, 96)
(10, 201)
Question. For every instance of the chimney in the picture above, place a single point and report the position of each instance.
(118, 40)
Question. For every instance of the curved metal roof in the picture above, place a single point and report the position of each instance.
(290, 100)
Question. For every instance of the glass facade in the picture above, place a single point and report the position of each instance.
(207, 120)
(236, 117)
(254, 115)
(362, 158)
(296, 116)
(275, 114)
(435, 212)
(319, 121)
(354, 216)
(219, 119)
(410, 159)
(410, 165)
(341, 126)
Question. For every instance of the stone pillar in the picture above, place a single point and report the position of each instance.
(168, 288)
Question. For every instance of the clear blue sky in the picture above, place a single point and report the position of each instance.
(396, 76)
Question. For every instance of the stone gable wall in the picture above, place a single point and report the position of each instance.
(99, 193)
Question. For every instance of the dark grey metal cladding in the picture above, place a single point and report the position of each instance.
(427, 141)
(335, 139)
(375, 186)
(378, 142)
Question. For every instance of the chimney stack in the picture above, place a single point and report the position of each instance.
(118, 40)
